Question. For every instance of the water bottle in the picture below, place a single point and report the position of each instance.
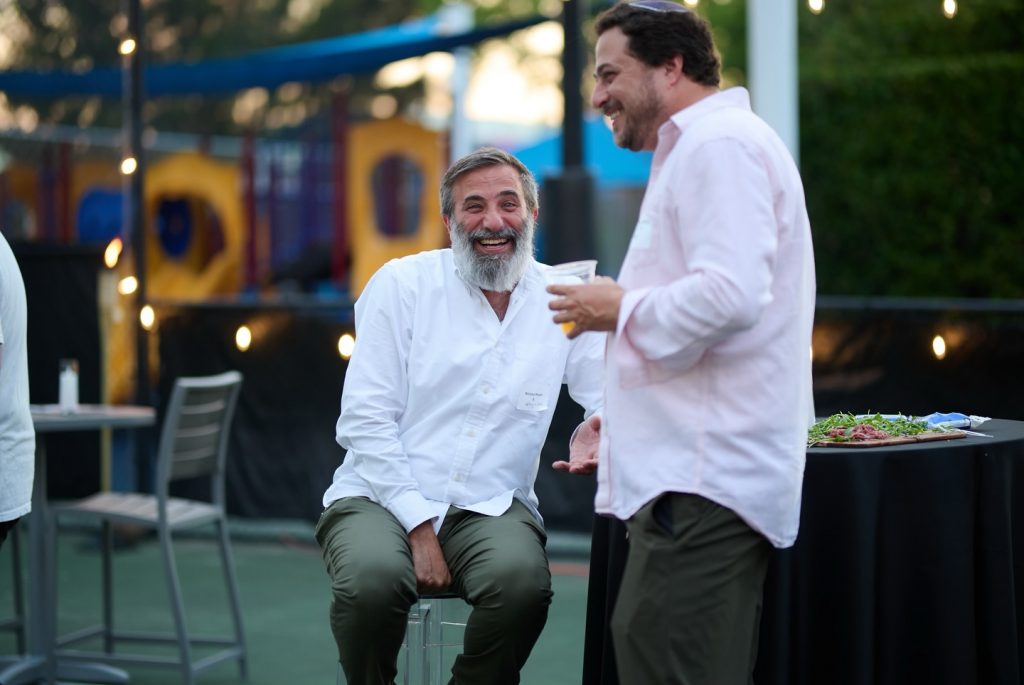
(68, 389)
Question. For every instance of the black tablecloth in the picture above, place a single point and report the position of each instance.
(909, 569)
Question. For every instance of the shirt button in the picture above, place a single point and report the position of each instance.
(459, 478)
(471, 433)
(487, 389)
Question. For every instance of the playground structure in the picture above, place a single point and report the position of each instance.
(227, 228)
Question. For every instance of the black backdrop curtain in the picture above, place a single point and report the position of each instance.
(282, 446)
(283, 451)
(63, 322)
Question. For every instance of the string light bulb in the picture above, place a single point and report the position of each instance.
(127, 46)
(816, 6)
(243, 338)
(128, 285)
(949, 8)
(112, 253)
(691, 3)
(346, 345)
(939, 347)
(147, 317)
(129, 165)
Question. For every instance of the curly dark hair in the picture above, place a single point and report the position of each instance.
(656, 37)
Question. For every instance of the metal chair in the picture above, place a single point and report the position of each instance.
(434, 625)
(193, 443)
(16, 622)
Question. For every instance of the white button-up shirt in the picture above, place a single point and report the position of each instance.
(709, 372)
(443, 403)
(17, 436)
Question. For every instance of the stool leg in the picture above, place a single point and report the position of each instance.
(107, 545)
(427, 618)
(437, 621)
(413, 644)
(19, 599)
(231, 581)
(177, 608)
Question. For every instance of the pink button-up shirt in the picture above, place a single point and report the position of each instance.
(709, 372)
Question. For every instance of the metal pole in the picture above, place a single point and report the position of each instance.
(132, 99)
(772, 68)
(458, 18)
(573, 14)
(339, 184)
(567, 212)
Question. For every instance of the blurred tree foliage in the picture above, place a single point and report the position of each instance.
(912, 146)
(912, 124)
(911, 142)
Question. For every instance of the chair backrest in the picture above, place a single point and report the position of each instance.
(194, 438)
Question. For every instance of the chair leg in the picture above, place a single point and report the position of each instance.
(427, 614)
(437, 643)
(107, 555)
(415, 639)
(177, 608)
(231, 581)
(19, 588)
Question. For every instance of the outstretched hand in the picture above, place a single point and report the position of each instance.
(583, 450)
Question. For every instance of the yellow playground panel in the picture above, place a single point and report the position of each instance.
(208, 193)
(212, 193)
(197, 251)
(21, 185)
(420, 153)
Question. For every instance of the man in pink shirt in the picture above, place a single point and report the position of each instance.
(708, 369)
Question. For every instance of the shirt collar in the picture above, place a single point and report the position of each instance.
(723, 99)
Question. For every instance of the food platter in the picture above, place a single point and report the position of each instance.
(875, 430)
(927, 436)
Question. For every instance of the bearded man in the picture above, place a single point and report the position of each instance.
(709, 382)
(447, 401)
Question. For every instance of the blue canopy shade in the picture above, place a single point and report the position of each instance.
(305, 62)
(610, 165)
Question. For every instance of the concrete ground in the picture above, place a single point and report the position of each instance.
(285, 595)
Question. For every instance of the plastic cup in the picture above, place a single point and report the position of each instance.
(572, 273)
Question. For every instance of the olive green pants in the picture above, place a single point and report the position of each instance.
(498, 564)
(689, 607)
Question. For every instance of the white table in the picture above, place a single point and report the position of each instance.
(41, 662)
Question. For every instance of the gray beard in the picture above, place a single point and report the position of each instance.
(498, 273)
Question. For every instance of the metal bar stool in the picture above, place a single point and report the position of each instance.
(193, 444)
(436, 623)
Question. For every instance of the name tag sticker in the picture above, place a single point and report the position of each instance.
(641, 235)
(533, 398)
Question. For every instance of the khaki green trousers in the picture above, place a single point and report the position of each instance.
(689, 607)
(498, 564)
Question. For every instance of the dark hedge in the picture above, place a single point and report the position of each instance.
(912, 147)
(913, 178)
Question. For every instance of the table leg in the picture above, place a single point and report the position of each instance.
(37, 664)
(40, 663)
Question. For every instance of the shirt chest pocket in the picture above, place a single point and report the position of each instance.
(643, 245)
(536, 380)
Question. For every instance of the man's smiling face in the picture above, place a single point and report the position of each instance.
(626, 91)
(491, 228)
